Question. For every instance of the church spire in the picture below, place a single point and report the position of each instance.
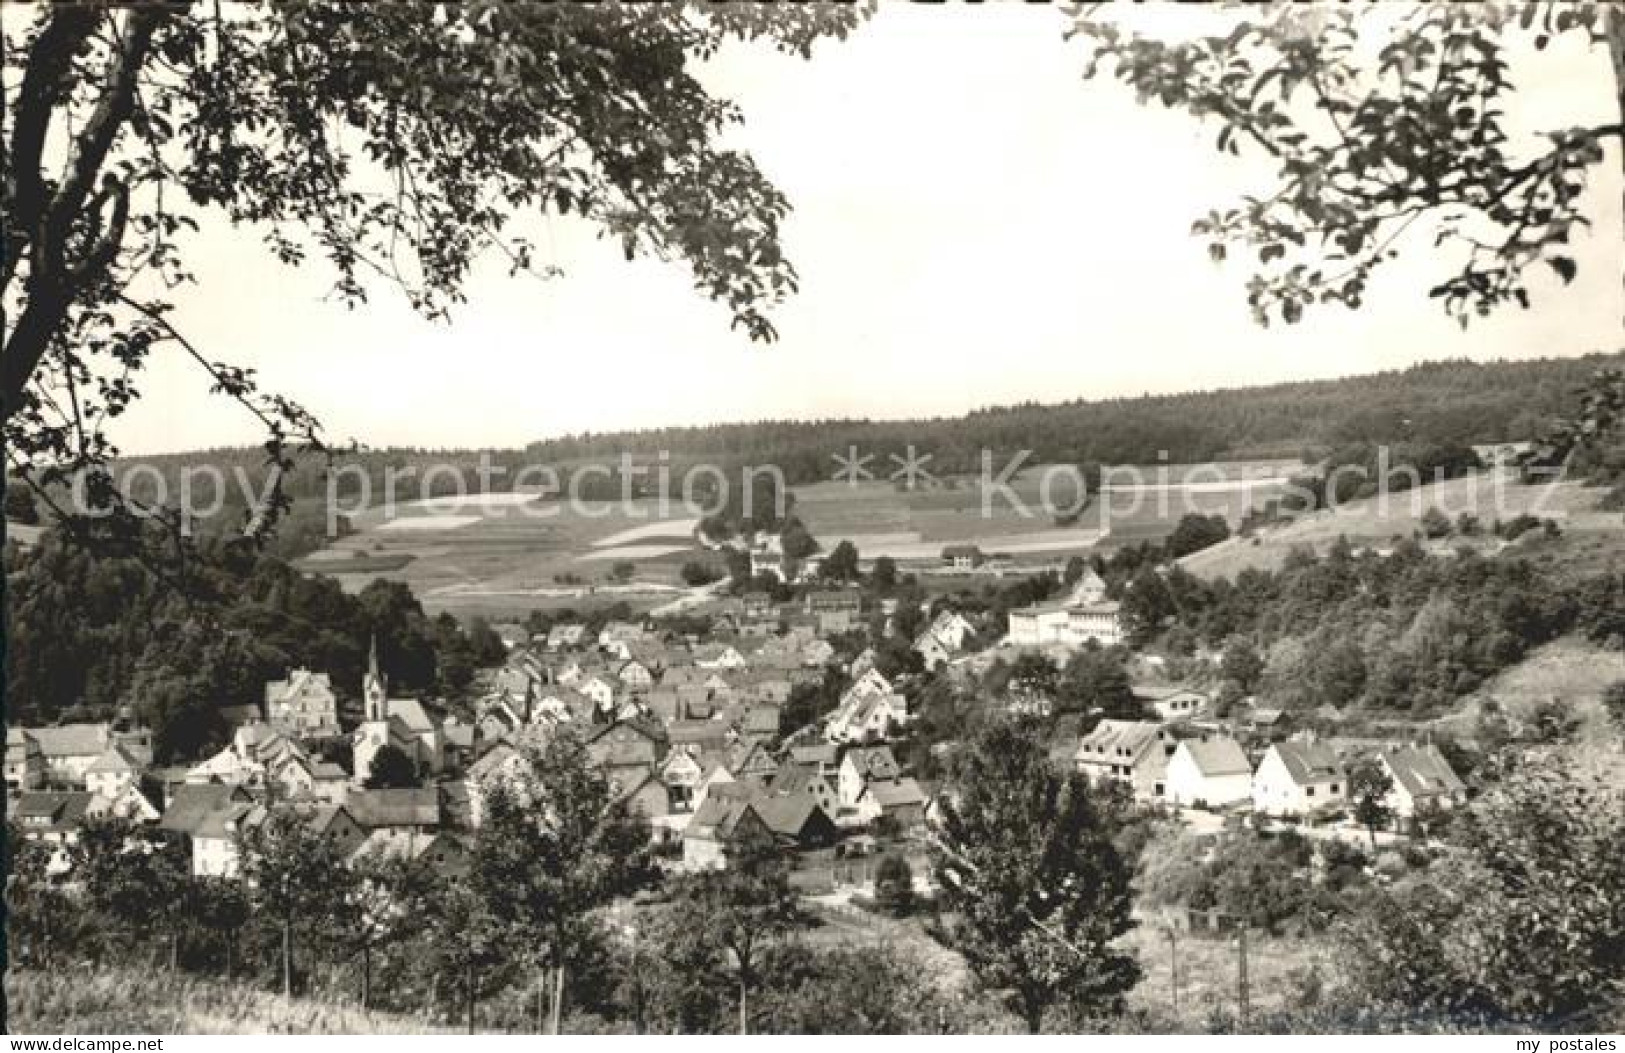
(374, 693)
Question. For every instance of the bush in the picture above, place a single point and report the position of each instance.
(894, 885)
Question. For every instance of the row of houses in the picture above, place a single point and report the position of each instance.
(1298, 777)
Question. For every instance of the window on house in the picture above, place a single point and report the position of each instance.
(1309, 792)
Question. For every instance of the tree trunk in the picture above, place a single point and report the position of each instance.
(231, 946)
(469, 995)
(744, 1009)
(174, 952)
(541, 1000)
(366, 978)
(287, 958)
(1614, 30)
(558, 1001)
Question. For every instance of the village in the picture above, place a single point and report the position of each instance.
(692, 730)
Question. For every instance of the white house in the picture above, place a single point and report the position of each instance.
(1181, 704)
(1130, 751)
(1209, 773)
(1297, 777)
(1421, 776)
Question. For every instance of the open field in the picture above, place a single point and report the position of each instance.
(121, 1000)
(1379, 521)
(505, 554)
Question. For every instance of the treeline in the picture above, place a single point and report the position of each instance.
(94, 637)
(1454, 402)
(1401, 632)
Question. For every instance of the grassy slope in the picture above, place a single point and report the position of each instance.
(129, 1001)
(1595, 536)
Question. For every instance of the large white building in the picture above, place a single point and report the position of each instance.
(1083, 616)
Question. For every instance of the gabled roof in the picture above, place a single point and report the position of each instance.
(61, 810)
(1307, 762)
(1422, 771)
(873, 762)
(896, 793)
(73, 740)
(795, 778)
(1115, 740)
(822, 753)
(411, 713)
(788, 814)
(116, 759)
(1217, 756)
(190, 803)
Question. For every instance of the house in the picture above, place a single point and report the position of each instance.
(190, 803)
(1134, 752)
(1208, 773)
(681, 772)
(1298, 776)
(962, 557)
(600, 689)
(130, 803)
(861, 766)
(565, 636)
(808, 780)
(823, 756)
(1422, 777)
(297, 775)
(722, 825)
(215, 839)
(898, 804)
(25, 761)
(1178, 704)
(69, 750)
(750, 760)
(952, 629)
(1084, 616)
(932, 651)
(634, 674)
(53, 816)
(303, 705)
(444, 853)
(836, 610)
(630, 753)
(720, 656)
(253, 748)
(113, 771)
(502, 765)
(761, 721)
(868, 718)
(816, 653)
(402, 723)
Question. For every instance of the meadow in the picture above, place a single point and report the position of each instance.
(505, 554)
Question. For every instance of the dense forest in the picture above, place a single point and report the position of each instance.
(1433, 405)
(93, 637)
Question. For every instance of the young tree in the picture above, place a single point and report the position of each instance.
(742, 908)
(1242, 663)
(1096, 679)
(556, 842)
(220, 908)
(1369, 787)
(470, 948)
(289, 870)
(134, 882)
(1037, 892)
(883, 575)
(126, 124)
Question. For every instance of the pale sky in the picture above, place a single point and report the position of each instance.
(974, 224)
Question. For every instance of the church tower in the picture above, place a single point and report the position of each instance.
(374, 692)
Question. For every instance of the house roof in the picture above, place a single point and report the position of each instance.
(896, 793)
(795, 778)
(406, 844)
(696, 732)
(61, 809)
(1217, 756)
(1422, 770)
(956, 551)
(1308, 761)
(822, 753)
(223, 821)
(73, 740)
(116, 759)
(394, 807)
(787, 814)
(1109, 737)
(873, 762)
(190, 803)
(411, 713)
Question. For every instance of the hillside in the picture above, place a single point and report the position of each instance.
(1377, 522)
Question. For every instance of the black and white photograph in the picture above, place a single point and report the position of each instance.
(813, 517)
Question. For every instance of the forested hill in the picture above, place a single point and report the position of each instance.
(1445, 402)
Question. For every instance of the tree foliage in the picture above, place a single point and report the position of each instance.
(1037, 891)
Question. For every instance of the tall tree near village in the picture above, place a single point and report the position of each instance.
(742, 909)
(556, 842)
(1035, 892)
(396, 144)
(290, 870)
(1388, 130)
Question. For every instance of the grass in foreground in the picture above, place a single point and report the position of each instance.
(114, 1000)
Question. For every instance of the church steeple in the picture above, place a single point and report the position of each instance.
(374, 692)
